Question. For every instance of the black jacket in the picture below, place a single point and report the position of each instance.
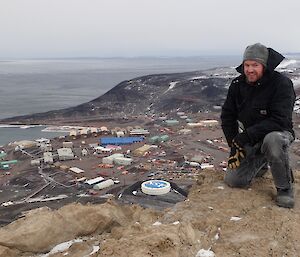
(262, 108)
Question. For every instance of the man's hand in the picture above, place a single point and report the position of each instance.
(239, 148)
(237, 153)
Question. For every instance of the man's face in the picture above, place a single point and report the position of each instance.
(253, 70)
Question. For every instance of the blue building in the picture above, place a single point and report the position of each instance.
(119, 140)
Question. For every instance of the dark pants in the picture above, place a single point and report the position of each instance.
(273, 151)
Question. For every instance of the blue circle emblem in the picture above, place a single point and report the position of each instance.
(155, 184)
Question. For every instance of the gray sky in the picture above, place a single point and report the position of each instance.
(109, 28)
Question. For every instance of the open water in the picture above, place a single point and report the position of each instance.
(31, 86)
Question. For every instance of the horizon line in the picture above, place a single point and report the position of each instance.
(130, 57)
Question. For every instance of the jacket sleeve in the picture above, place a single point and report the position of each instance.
(229, 114)
(280, 112)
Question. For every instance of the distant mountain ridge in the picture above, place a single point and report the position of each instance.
(152, 94)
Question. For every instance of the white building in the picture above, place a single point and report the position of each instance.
(46, 147)
(74, 133)
(103, 184)
(48, 157)
(85, 132)
(209, 123)
(43, 140)
(104, 130)
(94, 180)
(139, 132)
(185, 131)
(76, 170)
(65, 154)
(101, 149)
(123, 161)
(205, 166)
(84, 152)
(35, 162)
(120, 133)
(67, 144)
(95, 131)
(110, 159)
(194, 125)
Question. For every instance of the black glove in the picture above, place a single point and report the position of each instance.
(236, 155)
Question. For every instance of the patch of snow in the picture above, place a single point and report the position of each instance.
(157, 223)
(296, 82)
(83, 195)
(62, 247)
(285, 63)
(199, 77)
(217, 236)
(205, 253)
(171, 86)
(96, 248)
(224, 76)
(235, 218)
(7, 203)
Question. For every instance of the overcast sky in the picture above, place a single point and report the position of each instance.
(110, 28)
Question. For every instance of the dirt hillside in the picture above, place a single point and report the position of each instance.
(226, 221)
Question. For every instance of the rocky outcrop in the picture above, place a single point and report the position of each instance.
(228, 221)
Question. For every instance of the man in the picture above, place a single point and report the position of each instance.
(257, 123)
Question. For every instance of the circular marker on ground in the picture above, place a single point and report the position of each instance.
(155, 187)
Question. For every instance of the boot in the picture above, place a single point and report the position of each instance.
(285, 197)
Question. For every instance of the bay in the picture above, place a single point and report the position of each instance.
(11, 134)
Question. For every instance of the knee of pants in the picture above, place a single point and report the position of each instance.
(273, 145)
(232, 180)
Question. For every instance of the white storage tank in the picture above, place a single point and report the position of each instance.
(155, 187)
